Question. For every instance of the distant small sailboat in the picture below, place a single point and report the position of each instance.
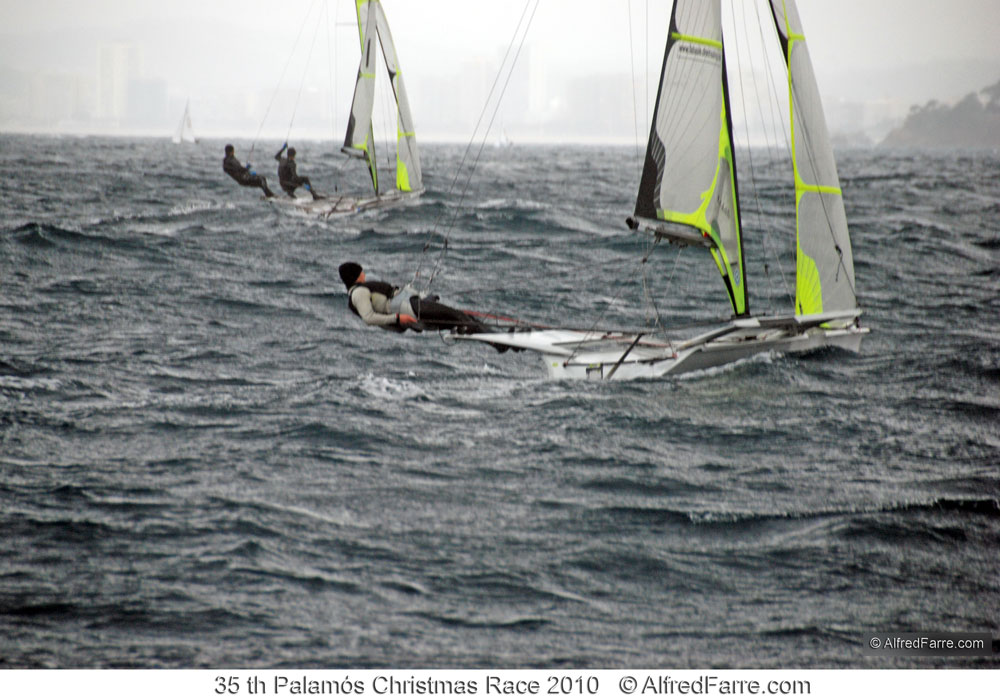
(185, 132)
(688, 196)
(503, 140)
(359, 142)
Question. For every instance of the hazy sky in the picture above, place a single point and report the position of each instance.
(205, 46)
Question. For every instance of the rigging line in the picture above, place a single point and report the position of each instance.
(772, 88)
(635, 98)
(775, 110)
(302, 83)
(331, 55)
(740, 29)
(482, 144)
(281, 80)
(650, 299)
(381, 115)
(658, 321)
(468, 147)
(673, 271)
(774, 136)
(390, 111)
(618, 293)
(746, 122)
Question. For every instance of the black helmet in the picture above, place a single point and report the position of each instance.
(349, 273)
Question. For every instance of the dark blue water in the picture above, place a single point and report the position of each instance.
(207, 461)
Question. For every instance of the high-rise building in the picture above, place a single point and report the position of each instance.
(117, 66)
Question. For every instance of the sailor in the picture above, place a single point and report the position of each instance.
(395, 308)
(288, 177)
(241, 174)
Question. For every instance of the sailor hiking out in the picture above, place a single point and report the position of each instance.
(394, 308)
(288, 176)
(243, 174)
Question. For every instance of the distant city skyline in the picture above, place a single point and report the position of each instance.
(129, 67)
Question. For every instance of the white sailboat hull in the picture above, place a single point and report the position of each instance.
(343, 205)
(589, 355)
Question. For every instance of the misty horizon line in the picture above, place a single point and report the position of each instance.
(246, 142)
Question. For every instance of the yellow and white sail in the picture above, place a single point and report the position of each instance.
(688, 189)
(824, 267)
(359, 141)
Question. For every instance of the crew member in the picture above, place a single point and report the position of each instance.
(241, 174)
(288, 176)
(395, 308)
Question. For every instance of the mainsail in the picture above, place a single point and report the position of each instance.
(689, 176)
(359, 140)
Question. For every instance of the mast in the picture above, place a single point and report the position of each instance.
(687, 192)
(824, 264)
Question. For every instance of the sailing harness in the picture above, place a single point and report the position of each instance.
(376, 287)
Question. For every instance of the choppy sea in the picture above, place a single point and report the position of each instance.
(207, 461)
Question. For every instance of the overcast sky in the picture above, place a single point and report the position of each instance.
(204, 46)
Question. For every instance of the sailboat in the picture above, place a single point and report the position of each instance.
(185, 132)
(687, 195)
(359, 142)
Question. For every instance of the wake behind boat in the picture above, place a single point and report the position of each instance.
(688, 196)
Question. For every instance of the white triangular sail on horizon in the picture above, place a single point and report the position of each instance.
(688, 195)
(185, 131)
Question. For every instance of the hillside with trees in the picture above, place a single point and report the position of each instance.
(974, 122)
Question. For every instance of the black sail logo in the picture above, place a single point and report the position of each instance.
(700, 52)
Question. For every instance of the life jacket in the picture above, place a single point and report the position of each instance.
(287, 173)
(376, 287)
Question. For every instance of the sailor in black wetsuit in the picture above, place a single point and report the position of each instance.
(382, 304)
(288, 177)
(242, 174)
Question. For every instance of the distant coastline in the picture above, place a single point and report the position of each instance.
(974, 122)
